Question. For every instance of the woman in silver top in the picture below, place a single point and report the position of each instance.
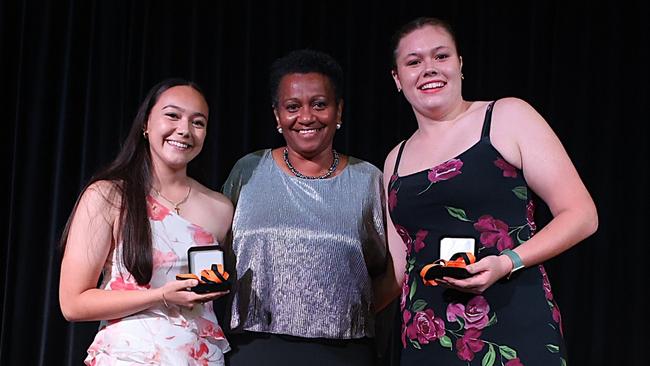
(308, 231)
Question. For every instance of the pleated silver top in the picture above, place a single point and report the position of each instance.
(306, 250)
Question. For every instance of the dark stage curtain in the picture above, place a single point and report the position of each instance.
(74, 71)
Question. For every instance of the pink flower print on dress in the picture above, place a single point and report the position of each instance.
(514, 362)
(405, 292)
(200, 236)
(444, 171)
(200, 354)
(155, 210)
(120, 284)
(493, 232)
(475, 314)
(392, 193)
(163, 259)
(404, 234)
(208, 329)
(425, 327)
(469, 344)
(530, 216)
(419, 240)
(509, 171)
(406, 316)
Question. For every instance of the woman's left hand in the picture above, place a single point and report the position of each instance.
(485, 272)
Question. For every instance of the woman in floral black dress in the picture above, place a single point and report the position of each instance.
(469, 171)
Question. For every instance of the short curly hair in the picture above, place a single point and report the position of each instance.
(305, 61)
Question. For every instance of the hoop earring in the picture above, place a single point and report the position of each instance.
(145, 134)
(338, 126)
(280, 130)
(462, 77)
(399, 90)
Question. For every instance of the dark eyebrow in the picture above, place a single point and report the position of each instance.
(435, 49)
(183, 110)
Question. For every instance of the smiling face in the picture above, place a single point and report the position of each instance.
(307, 111)
(428, 70)
(176, 127)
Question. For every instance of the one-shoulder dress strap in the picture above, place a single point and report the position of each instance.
(399, 156)
(487, 122)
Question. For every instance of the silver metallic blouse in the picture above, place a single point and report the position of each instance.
(306, 250)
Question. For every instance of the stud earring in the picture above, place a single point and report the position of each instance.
(338, 126)
(280, 130)
(399, 90)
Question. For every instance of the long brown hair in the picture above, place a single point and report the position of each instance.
(130, 174)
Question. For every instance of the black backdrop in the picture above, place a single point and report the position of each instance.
(74, 71)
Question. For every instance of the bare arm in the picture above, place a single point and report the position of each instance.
(526, 141)
(551, 175)
(92, 234)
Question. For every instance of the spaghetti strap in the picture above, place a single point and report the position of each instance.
(399, 156)
(487, 122)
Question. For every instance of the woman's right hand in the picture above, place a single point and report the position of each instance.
(179, 293)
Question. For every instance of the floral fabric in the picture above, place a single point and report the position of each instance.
(160, 336)
(476, 194)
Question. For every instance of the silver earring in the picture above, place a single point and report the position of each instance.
(399, 90)
(145, 134)
(280, 130)
(338, 126)
(462, 77)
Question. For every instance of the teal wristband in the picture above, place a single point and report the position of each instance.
(517, 263)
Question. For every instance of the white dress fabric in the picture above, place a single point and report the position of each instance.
(160, 335)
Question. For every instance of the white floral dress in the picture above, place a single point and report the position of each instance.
(160, 336)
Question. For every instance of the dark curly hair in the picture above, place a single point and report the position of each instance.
(305, 61)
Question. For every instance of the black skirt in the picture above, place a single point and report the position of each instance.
(251, 348)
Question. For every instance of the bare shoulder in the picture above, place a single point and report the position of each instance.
(212, 210)
(102, 197)
(516, 113)
(213, 199)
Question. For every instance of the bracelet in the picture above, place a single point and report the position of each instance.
(517, 263)
(165, 300)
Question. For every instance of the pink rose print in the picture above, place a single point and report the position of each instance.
(406, 316)
(469, 344)
(493, 232)
(445, 171)
(514, 362)
(405, 292)
(530, 216)
(419, 240)
(557, 316)
(401, 230)
(546, 284)
(509, 171)
(161, 259)
(120, 284)
(392, 199)
(425, 327)
(200, 236)
(475, 314)
(392, 194)
(155, 210)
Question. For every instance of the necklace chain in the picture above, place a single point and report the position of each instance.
(330, 171)
(175, 204)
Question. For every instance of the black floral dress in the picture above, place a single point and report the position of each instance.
(476, 194)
